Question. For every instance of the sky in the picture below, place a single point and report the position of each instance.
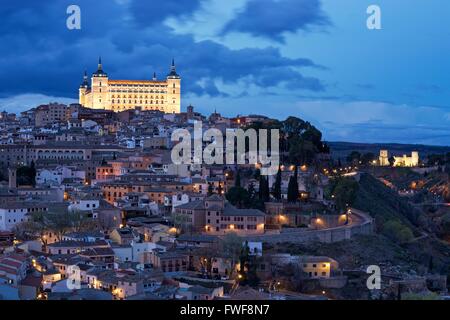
(313, 59)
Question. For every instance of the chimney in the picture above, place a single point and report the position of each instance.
(12, 174)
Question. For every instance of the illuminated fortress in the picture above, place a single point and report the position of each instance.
(120, 95)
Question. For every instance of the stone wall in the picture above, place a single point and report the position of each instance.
(362, 225)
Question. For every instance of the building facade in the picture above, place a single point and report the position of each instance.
(120, 95)
(399, 161)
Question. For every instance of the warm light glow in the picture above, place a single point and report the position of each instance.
(173, 230)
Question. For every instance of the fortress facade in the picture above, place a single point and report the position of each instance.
(119, 95)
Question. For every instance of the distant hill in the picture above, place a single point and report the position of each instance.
(342, 149)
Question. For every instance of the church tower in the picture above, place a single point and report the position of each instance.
(173, 90)
(99, 88)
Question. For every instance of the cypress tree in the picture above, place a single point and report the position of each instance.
(237, 182)
(277, 185)
(293, 187)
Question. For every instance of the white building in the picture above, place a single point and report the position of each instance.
(57, 174)
(88, 205)
(12, 214)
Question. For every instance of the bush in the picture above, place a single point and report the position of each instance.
(397, 232)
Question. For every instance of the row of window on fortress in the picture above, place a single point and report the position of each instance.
(138, 85)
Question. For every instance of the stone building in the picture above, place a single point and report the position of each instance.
(120, 95)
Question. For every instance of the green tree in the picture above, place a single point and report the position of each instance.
(231, 247)
(264, 192)
(398, 232)
(344, 191)
(248, 267)
(277, 185)
(293, 186)
(238, 197)
(237, 182)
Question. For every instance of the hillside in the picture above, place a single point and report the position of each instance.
(384, 204)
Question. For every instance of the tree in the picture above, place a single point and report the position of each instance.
(301, 151)
(210, 189)
(237, 182)
(293, 187)
(231, 247)
(344, 191)
(397, 232)
(264, 192)
(238, 196)
(181, 221)
(26, 175)
(79, 221)
(36, 226)
(247, 265)
(206, 256)
(60, 223)
(354, 157)
(367, 158)
(254, 200)
(277, 185)
(391, 161)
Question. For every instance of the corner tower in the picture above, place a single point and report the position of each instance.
(173, 90)
(99, 88)
(82, 91)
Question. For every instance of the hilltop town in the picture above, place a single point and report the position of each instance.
(93, 207)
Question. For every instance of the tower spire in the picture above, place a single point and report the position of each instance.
(100, 72)
(100, 67)
(154, 76)
(173, 72)
(85, 80)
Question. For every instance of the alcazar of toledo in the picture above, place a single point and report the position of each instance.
(120, 95)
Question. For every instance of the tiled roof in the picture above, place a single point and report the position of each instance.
(231, 210)
(193, 205)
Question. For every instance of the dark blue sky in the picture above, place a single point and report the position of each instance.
(309, 58)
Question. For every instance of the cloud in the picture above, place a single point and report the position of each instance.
(147, 13)
(43, 56)
(272, 18)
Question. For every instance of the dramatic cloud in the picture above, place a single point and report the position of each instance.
(272, 18)
(43, 56)
(152, 12)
